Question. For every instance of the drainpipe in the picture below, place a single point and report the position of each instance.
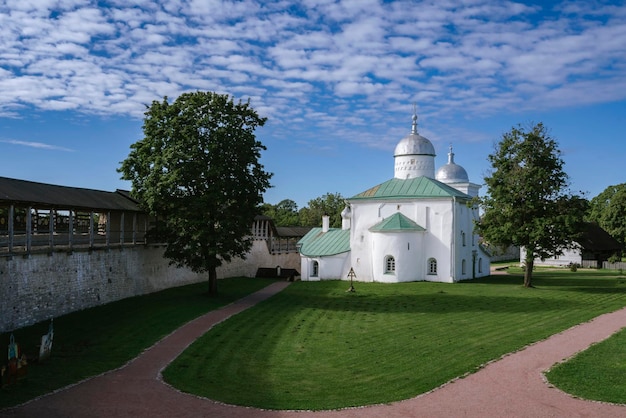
(453, 252)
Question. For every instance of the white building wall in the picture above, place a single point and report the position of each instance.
(306, 269)
(477, 262)
(369, 250)
(360, 241)
(439, 244)
(407, 250)
(446, 222)
(468, 188)
(329, 267)
(570, 256)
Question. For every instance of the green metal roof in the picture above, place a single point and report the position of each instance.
(396, 222)
(419, 187)
(317, 243)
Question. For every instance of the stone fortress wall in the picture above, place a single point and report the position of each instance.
(41, 286)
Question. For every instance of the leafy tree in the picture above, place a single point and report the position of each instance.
(285, 213)
(608, 209)
(330, 204)
(527, 202)
(197, 168)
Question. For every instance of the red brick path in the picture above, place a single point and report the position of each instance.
(510, 387)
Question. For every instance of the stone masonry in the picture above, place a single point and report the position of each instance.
(39, 287)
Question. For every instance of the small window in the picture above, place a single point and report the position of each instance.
(390, 265)
(432, 266)
(463, 267)
(315, 269)
(480, 265)
(463, 238)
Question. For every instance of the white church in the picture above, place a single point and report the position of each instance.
(417, 226)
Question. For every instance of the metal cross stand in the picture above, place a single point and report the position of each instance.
(351, 275)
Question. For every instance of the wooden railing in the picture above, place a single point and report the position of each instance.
(25, 231)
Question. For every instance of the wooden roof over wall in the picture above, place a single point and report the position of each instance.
(597, 239)
(284, 231)
(50, 196)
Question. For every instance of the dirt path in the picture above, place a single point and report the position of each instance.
(510, 387)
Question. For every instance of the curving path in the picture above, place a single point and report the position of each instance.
(510, 387)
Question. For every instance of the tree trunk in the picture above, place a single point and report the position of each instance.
(213, 281)
(528, 273)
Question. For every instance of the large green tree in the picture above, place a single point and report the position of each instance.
(527, 202)
(608, 210)
(330, 204)
(197, 168)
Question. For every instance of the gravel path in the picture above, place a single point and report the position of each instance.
(510, 387)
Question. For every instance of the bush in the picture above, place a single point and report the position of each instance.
(614, 259)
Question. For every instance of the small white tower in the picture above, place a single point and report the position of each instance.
(456, 176)
(414, 156)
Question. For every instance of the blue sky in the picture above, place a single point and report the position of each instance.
(336, 79)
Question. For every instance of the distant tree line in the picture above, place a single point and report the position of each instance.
(286, 212)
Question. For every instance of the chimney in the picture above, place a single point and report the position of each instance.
(325, 223)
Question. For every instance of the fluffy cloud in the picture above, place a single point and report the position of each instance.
(312, 60)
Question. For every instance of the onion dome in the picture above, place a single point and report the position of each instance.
(414, 156)
(452, 172)
(414, 143)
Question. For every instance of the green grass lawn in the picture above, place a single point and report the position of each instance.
(597, 373)
(95, 340)
(314, 346)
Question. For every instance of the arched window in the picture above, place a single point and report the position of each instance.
(432, 266)
(315, 269)
(480, 265)
(463, 267)
(463, 238)
(390, 265)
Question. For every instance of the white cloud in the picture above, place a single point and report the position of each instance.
(326, 56)
(39, 145)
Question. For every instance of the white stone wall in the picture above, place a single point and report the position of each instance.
(259, 256)
(42, 286)
(570, 256)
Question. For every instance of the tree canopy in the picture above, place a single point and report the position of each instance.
(527, 202)
(608, 209)
(330, 204)
(197, 169)
(284, 213)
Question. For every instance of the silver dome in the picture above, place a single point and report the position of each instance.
(452, 172)
(414, 143)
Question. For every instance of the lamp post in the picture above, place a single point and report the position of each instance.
(351, 275)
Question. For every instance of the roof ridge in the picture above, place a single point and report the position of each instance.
(417, 187)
